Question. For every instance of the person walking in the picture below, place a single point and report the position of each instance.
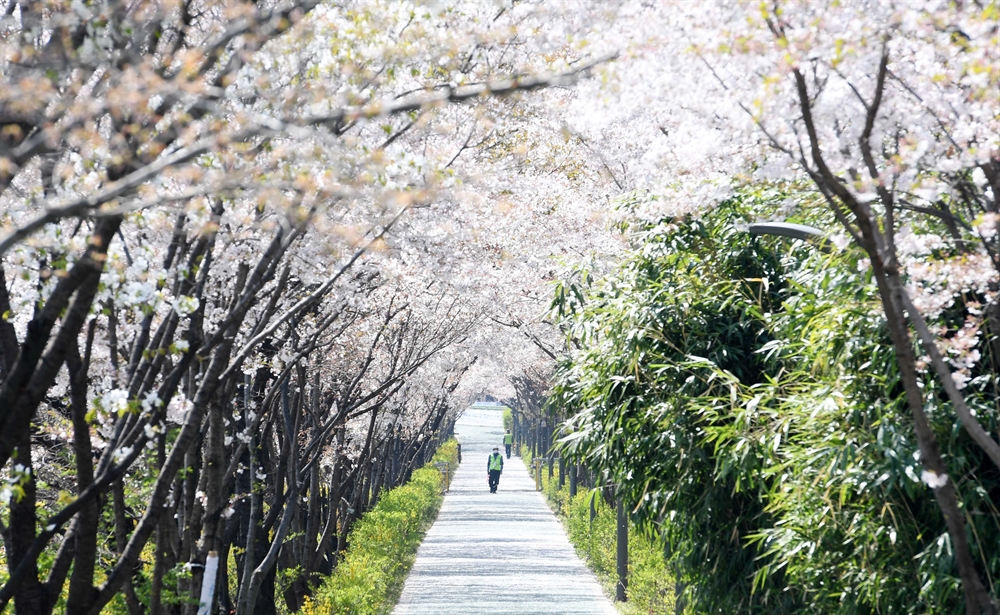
(508, 441)
(494, 467)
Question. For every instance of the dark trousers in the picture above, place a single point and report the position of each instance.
(494, 480)
(507, 446)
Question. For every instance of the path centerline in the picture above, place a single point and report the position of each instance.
(503, 553)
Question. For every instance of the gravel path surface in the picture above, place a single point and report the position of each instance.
(502, 553)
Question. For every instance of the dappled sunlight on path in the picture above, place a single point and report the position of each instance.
(497, 553)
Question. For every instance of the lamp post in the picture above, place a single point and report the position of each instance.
(621, 539)
(795, 231)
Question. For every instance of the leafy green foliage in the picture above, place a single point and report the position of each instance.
(744, 393)
(856, 529)
(690, 293)
(383, 546)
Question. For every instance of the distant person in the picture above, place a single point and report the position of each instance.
(508, 441)
(494, 467)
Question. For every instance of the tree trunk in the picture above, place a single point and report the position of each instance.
(890, 286)
(123, 526)
(81, 583)
(30, 597)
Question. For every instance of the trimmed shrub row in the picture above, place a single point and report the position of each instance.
(383, 545)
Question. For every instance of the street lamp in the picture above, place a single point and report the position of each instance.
(795, 231)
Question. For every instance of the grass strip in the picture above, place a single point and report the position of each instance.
(650, 583)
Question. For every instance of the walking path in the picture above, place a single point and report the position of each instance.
(503, 553)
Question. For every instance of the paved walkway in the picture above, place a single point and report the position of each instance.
(502, 553)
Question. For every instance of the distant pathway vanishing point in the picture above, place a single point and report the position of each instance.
(503, 553)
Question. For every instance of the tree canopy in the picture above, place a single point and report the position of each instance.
(257, 255)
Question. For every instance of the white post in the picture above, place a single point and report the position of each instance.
(208, 583)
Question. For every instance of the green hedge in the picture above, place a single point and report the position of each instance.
(383, 546)
(650, 588)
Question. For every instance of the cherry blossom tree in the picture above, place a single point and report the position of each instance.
(229, 222)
